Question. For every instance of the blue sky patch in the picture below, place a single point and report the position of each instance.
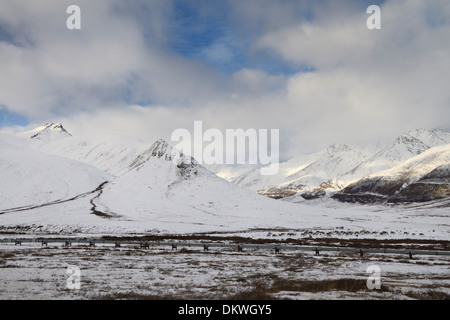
(8, 118)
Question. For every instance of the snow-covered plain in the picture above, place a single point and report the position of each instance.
(303, 220)
(32, 272)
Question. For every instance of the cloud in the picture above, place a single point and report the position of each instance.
(145, 68)
(54, 70)
(370, 83)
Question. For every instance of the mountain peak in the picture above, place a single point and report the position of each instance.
(430, 137)
(50, 131)
(162, 149)
(338, 147)
(419, 140)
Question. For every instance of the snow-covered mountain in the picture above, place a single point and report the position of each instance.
(336, 167)
(404, 147)
(48, 131)
(110, 182)
(164, 184)
(103, 184)
(424, 177)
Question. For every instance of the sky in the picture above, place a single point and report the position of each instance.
(144, 68)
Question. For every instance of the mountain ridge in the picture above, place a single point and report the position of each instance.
(311, 176)
(332, 169)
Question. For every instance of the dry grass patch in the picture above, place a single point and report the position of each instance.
(259, 290)
(314, 286)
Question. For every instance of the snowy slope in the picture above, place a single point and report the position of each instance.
(389, 183)
(434, 185)
(113, 154)
(231, 172)
(30, 178)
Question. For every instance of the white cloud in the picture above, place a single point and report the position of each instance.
(370, 83)
(365, 85)
(54, 70)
